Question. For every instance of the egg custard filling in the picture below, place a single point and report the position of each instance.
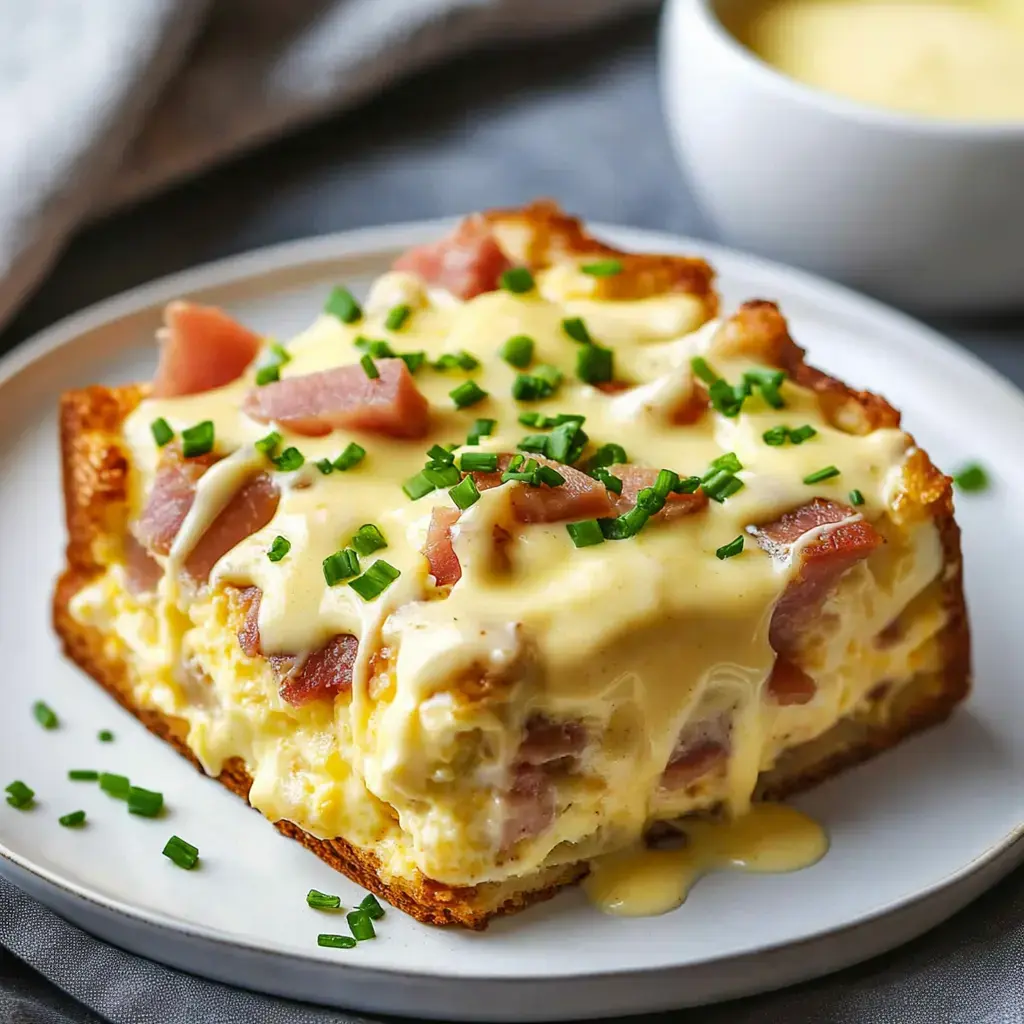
(624, 566)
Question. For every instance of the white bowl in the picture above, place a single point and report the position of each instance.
(925, 213)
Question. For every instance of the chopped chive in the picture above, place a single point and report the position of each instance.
(417, 486)
(83, 775)
(607, 455)
(701, 369)
(279, 353)
(289, 460)
(520, 471)
(368, 539)
(440, 454)
(279, 547)
(413, 360)
(322, 900)
(373, 909)
(517, 351)
(729, 462)
(650, 500)
(481, 428)
(603, 268)
(268, 445)
(144, 802)
(576, 329)
(611, 482)
(479, 462)
(971, 478)
(336, 941)
(105, 736)
(268, 374)
(801, 434)
(666, 482)
(350, 457)
(629, 524)
(768, 383)
(162, 432)
(73, 820)
(776, 436)
(549, 476)
(325, 466)
(377, 349)
(688, 485)
(438, 474)
(537, 444)
(360, 924)
(466, 394)
(734, 547)
(517, 280)
(369, 367)
(197, 440)
(396, 317)
(20, 796)
(465, 493)
(820, 475)
(721, 485)
(586, 533)
(460, 360)
(116, 786)
(185, 855)
(595, 364)
(45, 715)
(856, 498)
(375, 580)
(342, 304)
(342, 565)
(726, 399)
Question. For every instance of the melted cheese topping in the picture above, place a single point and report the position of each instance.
(634, 639)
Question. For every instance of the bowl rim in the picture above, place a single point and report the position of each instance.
(881, 117)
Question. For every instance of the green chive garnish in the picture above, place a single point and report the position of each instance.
(73, 820)
(441, 474)
(607, 455)
(413, 360)
(457, 360)
(517, 351)
(375, 580)
(336, 941)
(268, 445)
(971, 478)
(20, 796)
(116, 786)
(45, 715)
(666, 482)
(377, 349)
(105, 736)
(350, 457)
(361, 925)
(269, 374)
(701, 369)
(162, 432)
(373, 909)
(603, 268)
(396, 317)
(144, 802)
(439, 453)
(586, 533)
(322, 900)
(185, 855)
(577, 330)
(279, 354)
(342, 304)
(417, 486)
(517, 280)
(279, 547)
(83, 775)
(369, 367)
(368, 539)
(466, 394)
(776, 436)
(289, 460)
(820, 475)
(479, 462)
(197, 440)
(688, 485)
(481, 428)
(856, 498)
(734, 547)
(801, 434)
(594, 364)
(465, 493)
(342, 565)
(534, 386)
(325, 466)
(611, 482)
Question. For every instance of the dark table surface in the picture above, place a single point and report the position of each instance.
(576, 119)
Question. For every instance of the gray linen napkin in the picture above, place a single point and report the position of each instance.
(104, 101)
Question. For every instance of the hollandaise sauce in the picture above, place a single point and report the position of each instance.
(956, 59)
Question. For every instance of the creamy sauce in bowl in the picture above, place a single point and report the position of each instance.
(954, 59)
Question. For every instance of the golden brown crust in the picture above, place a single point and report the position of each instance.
(96, 482)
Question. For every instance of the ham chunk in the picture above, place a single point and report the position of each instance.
(467, 263)
(202, 348)
(702, 748)
(143, 572)
(174, 491)
(790, 684)
(317, 403)
(444, 563)
(823, 562)
(529, 804)
(636, 478)
(546, 741)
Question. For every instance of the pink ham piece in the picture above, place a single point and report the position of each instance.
(702, 747)
(321, 675)
(202, 348)
(546, 741)
(444, 563)
(142, 570)
(466, 263)
(790, 684)
(529, 804)
(174, 490)
(636, 478)
(317, 403)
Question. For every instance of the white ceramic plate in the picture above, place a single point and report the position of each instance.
(915, 834)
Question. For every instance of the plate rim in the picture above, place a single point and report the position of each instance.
(363, 242)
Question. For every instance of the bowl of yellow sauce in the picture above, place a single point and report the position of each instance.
(880, 142)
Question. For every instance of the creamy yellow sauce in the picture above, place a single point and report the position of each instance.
(956, 59)
(635, 638)
(643, 882)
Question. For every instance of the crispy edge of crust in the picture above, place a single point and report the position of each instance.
(95, 473)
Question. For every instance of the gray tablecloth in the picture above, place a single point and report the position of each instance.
(578, 119)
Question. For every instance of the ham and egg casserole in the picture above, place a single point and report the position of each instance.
(485, 577)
